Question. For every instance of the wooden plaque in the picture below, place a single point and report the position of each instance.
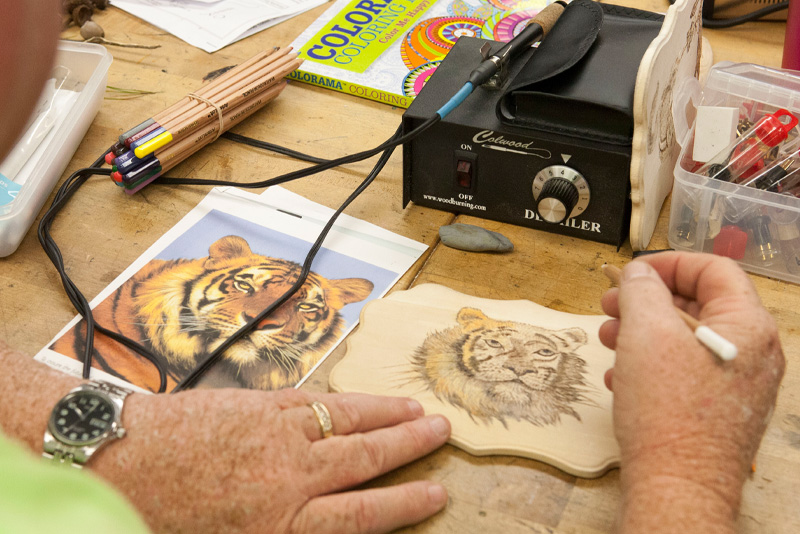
(671, 59)
(513, 377)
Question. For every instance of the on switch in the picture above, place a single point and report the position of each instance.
(465, 164)
(464, 173)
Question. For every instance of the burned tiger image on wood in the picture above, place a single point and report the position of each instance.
(505, 370)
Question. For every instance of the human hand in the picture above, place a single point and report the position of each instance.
(684, 419)
(239, 461)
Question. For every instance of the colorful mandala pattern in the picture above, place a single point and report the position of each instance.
(431, 39)
(446, 30)
(416, 79)
(514, 5)
(475, 9)
(411, 49)
(426, 44)
(505, 26)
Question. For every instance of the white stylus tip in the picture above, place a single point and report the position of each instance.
(716, 343)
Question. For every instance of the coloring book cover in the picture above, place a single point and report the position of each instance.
(513, 377)
(220, 266)
(386, 51)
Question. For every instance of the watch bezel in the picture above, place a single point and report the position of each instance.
(83, 390)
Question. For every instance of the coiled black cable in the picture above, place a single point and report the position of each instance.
(79, 177)
(392, 142)
(212, 358)
(79, 302)
(272, 147)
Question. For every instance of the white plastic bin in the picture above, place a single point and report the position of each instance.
(88, 72)
(757, 228)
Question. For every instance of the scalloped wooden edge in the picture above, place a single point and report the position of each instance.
(651, 176)
(474, 441)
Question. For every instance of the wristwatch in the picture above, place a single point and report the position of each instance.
(84, 420)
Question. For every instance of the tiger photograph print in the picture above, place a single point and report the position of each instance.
(183, 309)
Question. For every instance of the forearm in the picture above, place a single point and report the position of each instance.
(698, 495)
(28, 392)
(666, 505)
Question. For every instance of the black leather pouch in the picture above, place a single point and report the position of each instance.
(580, 82)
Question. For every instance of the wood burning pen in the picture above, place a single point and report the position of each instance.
(721, 347)
(536, 29)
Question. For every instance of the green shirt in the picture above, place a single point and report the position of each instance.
(40, 497)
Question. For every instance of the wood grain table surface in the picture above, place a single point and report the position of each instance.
(102, 231)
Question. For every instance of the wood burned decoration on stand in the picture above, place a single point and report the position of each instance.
(671, 61)
(513, 377)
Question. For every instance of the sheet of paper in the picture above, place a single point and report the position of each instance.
(226, 260)
(214, 24)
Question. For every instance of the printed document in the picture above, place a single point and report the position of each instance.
(214, 24)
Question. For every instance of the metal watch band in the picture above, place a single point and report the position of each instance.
(63, 457)
(110, 389)
(76, 456)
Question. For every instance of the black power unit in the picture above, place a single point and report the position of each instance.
(550, 148)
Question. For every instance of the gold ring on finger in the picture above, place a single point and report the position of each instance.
(323, 418)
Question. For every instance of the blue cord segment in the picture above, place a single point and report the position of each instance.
(456, 99)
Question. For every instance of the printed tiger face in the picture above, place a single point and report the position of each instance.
(284, 346)
(182, 310)
(499, 370)
(504, 351)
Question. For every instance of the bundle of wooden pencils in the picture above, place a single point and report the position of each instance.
(160, 143)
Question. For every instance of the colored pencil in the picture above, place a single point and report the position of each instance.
(179, 106)
(187, 103)
(175, 154)
(245, 88)
(169, 137)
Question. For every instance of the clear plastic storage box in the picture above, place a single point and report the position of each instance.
(85, 67)
(758, 228)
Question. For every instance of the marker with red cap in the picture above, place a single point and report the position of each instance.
(140, 180)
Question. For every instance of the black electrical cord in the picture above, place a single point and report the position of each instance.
(79, 302)
(387, 148)
(64, 193)
(78, 178)
(212, 358)
(753, 16)
(314, 169)
(272, 147)
(749, 17)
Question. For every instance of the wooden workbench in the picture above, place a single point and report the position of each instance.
(103, 230)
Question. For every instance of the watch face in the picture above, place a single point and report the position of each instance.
(82, 418)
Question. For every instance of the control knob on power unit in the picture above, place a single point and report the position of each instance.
(560, 192)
